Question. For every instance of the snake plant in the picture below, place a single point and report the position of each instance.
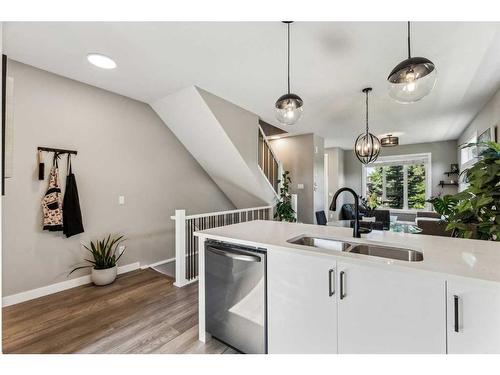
(103, 253)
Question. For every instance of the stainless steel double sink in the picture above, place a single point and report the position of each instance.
(397, 253)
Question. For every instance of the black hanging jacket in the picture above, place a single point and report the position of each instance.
(72, 215)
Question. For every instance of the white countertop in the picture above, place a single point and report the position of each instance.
(450, 256)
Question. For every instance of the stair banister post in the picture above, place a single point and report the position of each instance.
(294, 206)
(180, 248)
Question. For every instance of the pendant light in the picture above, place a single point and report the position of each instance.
(289, 106)
(389, 141)
(412, 79)
(367, 146)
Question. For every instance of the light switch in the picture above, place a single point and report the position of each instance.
(300, 186)
(121, 200)
(121, 249)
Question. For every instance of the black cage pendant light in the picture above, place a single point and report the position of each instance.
(367, 146)
(412, 79)
(289, 106)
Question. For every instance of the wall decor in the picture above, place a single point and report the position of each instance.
(4, 86)
(489, 135)
(7, 123)
(9, 127)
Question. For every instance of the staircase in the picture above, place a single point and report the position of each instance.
(268, 162)
(227, 142)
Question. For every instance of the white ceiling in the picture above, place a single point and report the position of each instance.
(244, 63)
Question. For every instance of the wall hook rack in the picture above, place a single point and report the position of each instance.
(57, 150)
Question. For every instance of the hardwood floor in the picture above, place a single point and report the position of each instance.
(141, 312)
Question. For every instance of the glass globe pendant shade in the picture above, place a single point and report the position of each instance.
(412, 79)
(289, 108)
(367, 148)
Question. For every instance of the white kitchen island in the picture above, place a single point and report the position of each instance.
(331, 301)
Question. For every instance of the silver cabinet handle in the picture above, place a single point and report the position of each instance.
(234, 254)
(331, 278)
(455, 310)
(342, 285)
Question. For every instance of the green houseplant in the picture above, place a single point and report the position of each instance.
(284, 210)
(372, 202)
(475, 212)
(444, 205)
(104, 259)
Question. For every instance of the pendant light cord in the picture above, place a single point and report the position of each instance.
(409, 49)
(366, 112)
(288, 27)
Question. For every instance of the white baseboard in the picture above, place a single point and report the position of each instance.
(128, 268)
(158, 263)
(58, 287)
(185, 282)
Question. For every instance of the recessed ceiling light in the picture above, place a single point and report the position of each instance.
(101, 61)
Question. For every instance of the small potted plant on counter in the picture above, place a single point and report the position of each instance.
(103, 264)
(371, 203)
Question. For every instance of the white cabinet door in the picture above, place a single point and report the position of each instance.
(302, 311)
(473, 317)
(385, 310)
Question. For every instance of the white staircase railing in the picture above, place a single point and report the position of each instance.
(186, 244)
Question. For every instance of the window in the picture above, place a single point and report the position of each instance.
(399, 182)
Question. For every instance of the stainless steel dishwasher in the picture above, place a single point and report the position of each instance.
(235, 296)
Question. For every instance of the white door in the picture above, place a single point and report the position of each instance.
(384, 310)
(473, 317)
(302, 310)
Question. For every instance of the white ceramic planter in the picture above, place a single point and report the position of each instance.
(103, 277)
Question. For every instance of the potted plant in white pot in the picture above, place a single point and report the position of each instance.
(104, 269)
(284, 209)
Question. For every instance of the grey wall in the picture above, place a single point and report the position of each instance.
(336, 178)
(319, 174)
(443, 155)
(297, 155)
(242, 127)
(352, 175)
(239, 124)
(123, 149)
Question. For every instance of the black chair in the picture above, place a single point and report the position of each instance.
(382, 217)
(320, 218)
(347, 212)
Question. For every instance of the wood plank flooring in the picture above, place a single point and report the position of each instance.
(141, 312)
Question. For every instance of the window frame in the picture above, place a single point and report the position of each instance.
(405, 160)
